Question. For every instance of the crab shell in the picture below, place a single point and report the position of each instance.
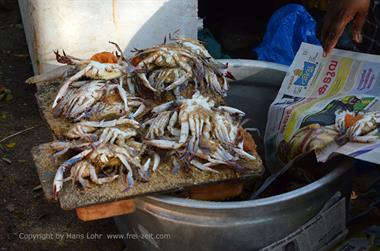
(365, 129)
(188, 63)
(310, 137)
(358, 127)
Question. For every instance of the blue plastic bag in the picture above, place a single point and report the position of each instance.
(288, 27)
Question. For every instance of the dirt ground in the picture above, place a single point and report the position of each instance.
(24, 211)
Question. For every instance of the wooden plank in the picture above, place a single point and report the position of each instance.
(106, 210)
(43, 160)
(163, 180)
(45, 96)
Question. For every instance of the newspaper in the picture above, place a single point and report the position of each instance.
(322, 232)
(315, 88)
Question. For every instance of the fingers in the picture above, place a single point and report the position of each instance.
(332, 30)
(357, 26)
(339, 14)
(330, 27)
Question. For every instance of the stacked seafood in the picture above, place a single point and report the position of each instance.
(165, 104)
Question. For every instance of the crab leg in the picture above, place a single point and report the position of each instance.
(222, 133)
(158, 125)
(191, 145)
(81, 131)
(223, 154)
(62, 91)
(148, 122)
(225, 83)
(84, 183)
(131, 86)
(74, 173)
(241, 145)
(184, 132)
(123, 94)
(162, 123)
(176, 83)
(163, 107)
(186, 67)
(129, 168)
(164, 144)
(63, 147)
(207, 129)
(74, 104)
(58, 179)
(119, 49)
(213, 80)
(50, 75)
(244, 154)
(106, 136)
(146, 165)
(231, 110)
(172, 122)
(214, 162)
(156, 161)
(192, 126)
(202, 167)
(139, 110)
(111, 123)
(368, 138)
(176, 166)
(79, 84)
(125, 153)
(177, 92)
(145, 81)
(161, 78)
(145, 169)
(94, 177)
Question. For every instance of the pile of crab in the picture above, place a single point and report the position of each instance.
(166, 103)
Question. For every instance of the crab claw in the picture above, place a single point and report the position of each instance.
(231, 110)
(144, 173)
(145, 81)
(58, 179)
(163, 144)
(49, 76)
(63, 90)
(229, 75)
(156, 161)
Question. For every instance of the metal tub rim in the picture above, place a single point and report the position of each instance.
(256, 63)
(284, 197)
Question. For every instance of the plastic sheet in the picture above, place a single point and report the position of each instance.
(288, 27)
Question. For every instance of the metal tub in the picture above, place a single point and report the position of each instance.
(171, 223)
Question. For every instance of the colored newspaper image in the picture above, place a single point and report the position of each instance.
(327, 104)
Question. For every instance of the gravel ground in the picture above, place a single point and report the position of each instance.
(24, 213)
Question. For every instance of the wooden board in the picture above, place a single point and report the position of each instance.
(45, 96)
(106, 210)
(163, 180)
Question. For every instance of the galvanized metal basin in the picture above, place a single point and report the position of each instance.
(171, 223)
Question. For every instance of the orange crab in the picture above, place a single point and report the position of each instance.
(104, 57)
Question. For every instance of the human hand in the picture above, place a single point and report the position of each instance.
(339, 14)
